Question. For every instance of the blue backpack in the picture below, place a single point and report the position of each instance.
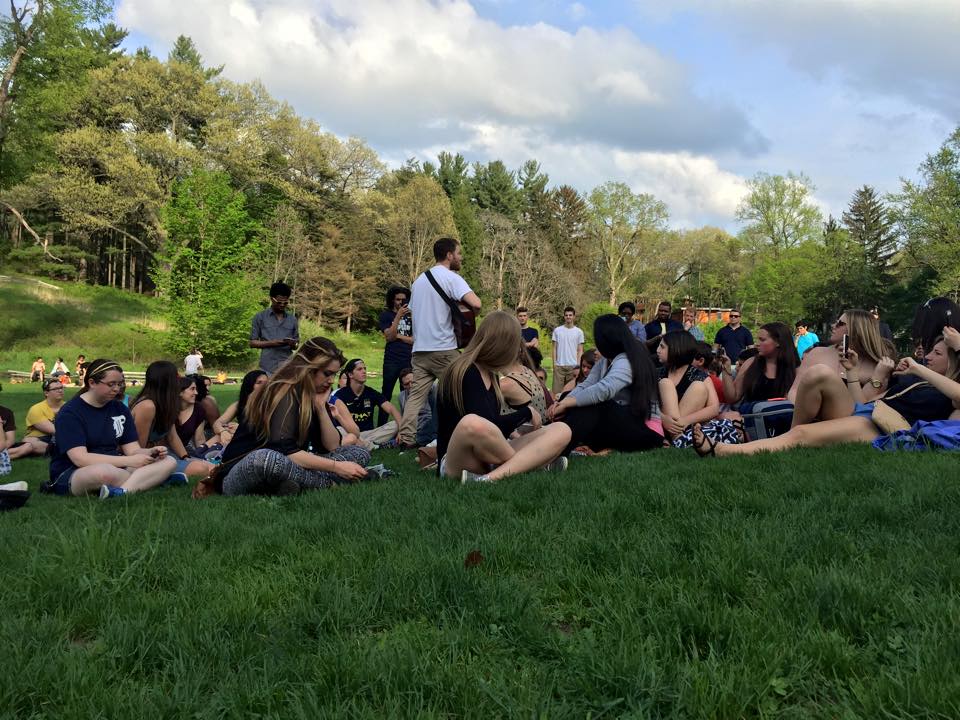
(924, 435)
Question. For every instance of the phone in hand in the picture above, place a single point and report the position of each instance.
(845, 346)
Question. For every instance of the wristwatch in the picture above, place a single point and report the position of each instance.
(876, 383)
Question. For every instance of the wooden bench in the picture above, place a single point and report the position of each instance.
(18, 376)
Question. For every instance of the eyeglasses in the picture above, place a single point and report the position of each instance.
(734, 317)
(116, 384)
(840, 323)
(280, 301)
(51, 388)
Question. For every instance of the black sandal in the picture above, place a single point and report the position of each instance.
(710, 443)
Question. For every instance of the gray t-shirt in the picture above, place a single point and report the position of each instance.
(267, 326)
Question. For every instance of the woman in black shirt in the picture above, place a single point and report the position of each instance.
(472, 435)
(845, 410)
(287, 442)
(687, 395)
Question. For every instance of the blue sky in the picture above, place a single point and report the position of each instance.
(683, 99)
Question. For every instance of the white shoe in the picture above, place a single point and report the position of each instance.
(15, 487)
(558, 464)
(467, 477)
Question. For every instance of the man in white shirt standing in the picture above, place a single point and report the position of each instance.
(567, 349)
(193, 363)
(434, 342)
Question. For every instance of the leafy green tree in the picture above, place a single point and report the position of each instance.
(779, 212)
(185, 52)
(928, 214)
(620, 222)
(209, 294)
(495, 188)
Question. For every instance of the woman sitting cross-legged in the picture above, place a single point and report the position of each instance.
(617, 406)
(687, 395)
(155, 412)
(40, 419)
(97, 447)
(226, 425)
(471, 432)
(287, 442)
(769, 374)
(830, 410)
(864, 338)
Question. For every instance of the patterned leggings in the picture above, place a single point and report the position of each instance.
(263, 471)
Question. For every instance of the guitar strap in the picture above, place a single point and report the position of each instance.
(436, 286)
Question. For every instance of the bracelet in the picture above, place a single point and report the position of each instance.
(849, 380)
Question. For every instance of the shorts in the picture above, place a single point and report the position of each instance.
(863, 410)
(60, 485)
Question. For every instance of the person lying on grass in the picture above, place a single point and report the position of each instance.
(97, 448)
(766, 376)
(472, 434)
(687, 395)
(831, 410)
(287, 442)
(155, 412)
(40, 417)
(226, 425)
(863, 337)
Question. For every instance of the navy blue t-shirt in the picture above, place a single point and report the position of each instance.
(397, 352)
(654, 328)
(734, 341)
(361, 407)
(528, 334)
(100, 430)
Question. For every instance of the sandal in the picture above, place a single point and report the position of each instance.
(741, 428)
(705, 440)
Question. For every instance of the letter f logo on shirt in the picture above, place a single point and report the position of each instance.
(118, 422)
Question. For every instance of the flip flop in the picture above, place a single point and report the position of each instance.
(705, 440)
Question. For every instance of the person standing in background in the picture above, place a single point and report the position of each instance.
(275, 332)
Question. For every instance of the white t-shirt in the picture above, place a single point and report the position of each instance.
(432, 320)
(566, 341)
(192, 364)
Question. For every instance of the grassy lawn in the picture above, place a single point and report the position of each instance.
(808, 584)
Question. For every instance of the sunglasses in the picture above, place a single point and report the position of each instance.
(840, 323)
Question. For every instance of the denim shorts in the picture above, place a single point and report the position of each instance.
(863, 410)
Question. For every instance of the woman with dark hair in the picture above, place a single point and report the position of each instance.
(770, 374)
(205, 401)
(233, 415)
(397, 328)
(587, 360)
(617, 406)
(687, 395)
(155, 411)
(472, 433)
(930, 320)
(97, 449)
(190, 418)
(287, 442)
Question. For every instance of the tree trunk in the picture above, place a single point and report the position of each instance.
(124, 260)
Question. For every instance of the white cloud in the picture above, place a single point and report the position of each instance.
(392, 70)
(903, 48)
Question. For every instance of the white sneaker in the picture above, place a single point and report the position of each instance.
(15, 487)
(558, 464)
(467, 477)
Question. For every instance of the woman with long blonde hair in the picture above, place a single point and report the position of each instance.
(863, 337)
(472, 435)
(287, 442)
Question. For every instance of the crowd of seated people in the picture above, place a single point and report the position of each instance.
(491, 414)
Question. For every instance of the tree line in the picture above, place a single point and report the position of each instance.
(161, 175)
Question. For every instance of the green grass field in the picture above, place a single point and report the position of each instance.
(812, 584)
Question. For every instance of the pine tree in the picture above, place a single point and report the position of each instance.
(871, 226)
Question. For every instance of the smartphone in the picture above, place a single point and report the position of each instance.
(844, 345)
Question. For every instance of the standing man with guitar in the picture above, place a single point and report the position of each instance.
(435, 342)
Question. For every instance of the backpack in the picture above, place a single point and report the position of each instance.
(766, 418)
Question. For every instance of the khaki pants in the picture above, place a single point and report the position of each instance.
(562, 374)
(427, 367)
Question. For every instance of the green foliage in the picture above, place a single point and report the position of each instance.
(779, 287)
(67, 319)
(779, 211)
(209, 294)
(645, 585)
(33, 260)
(590, 313)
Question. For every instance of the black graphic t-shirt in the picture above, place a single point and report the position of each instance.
(361, 407)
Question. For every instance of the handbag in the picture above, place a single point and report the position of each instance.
(463, 318)
(766, 418)
(886, 418)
